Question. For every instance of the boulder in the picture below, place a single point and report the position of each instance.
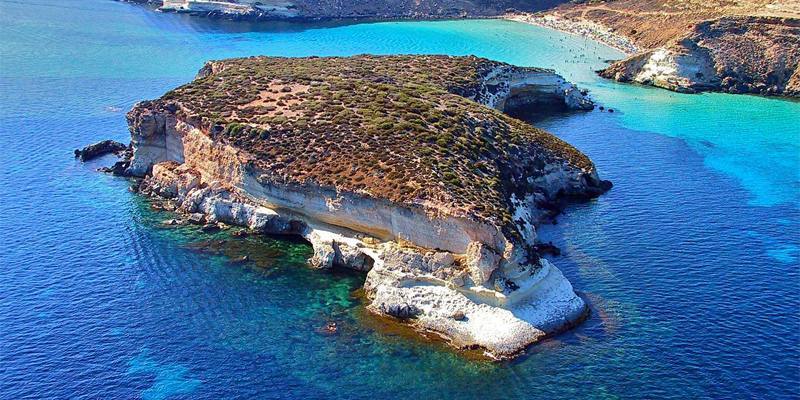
(99, 149)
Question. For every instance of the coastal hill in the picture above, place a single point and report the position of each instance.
(331, 9)
(750, 46)
(402, 166)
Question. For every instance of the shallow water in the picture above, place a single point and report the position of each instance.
(690, 262)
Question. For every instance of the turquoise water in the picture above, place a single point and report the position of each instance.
(690, 262)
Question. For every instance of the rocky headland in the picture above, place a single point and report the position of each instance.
(748, 46)
(404, 167)
(758, 55)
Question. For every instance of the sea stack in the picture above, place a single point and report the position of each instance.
(405, 167)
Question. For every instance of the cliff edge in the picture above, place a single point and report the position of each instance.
(402, 166)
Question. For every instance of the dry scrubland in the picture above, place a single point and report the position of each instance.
(398, 127)
(748, 46)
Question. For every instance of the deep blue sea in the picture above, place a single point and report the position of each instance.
(691, 263)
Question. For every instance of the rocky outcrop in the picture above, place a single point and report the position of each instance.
(446, 231)
(747, 46)
(100, 149)
(731, 54)
(507, 88)
(685, 67)
(793, 87)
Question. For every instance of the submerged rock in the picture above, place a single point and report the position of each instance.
(119, 168)
(547, 248)
(240, 260)
(330, 328)
(402, 166)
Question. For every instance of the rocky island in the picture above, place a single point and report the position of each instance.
(405, 167)
(750, 46)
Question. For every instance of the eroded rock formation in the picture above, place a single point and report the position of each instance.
(100, 149)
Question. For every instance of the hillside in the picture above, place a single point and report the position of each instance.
(338, 9)
(721, 45)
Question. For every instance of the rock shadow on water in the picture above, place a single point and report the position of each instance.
(262, 252)
(168, 379)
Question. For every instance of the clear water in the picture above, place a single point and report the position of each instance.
(690, 262)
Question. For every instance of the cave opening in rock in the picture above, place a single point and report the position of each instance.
(529, 108)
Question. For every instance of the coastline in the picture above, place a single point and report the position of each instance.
(252, 17)
(587, 29)
(583, 28)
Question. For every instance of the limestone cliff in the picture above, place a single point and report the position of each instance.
(401, 166)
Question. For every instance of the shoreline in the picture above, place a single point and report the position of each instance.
(586, 29)
(297, 19)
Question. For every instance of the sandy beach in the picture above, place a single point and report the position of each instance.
(584, 28)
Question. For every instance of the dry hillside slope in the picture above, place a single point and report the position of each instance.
(748, 46)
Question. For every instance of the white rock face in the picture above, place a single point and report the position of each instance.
(676, 69)
(454, 276)
(466, 318)
(508, 87)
